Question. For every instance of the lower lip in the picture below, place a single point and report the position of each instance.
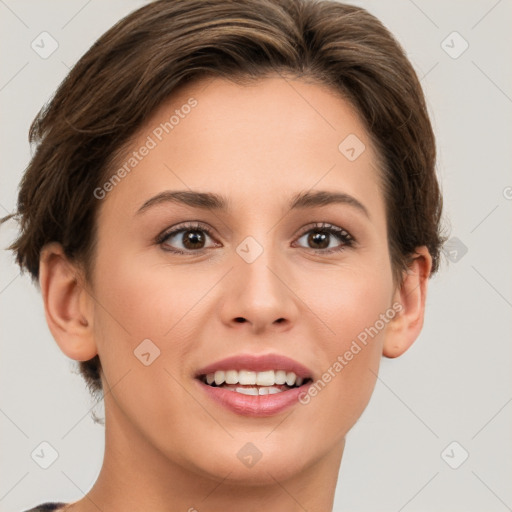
(254, 405)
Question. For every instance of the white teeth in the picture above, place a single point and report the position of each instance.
(250, 378)
(220, 377)
(280, 377)
(246, 377)
(231, 377)
(290, 378)
(265, 378)
(247, 391)
(264, 390)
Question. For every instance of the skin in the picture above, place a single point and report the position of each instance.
(168, 446)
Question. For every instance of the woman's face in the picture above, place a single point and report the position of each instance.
(255, 277)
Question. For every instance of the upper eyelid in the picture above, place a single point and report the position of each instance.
(326, 226)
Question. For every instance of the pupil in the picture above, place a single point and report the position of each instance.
(319, 238)
(193, 237)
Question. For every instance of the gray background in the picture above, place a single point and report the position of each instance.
(454, 384)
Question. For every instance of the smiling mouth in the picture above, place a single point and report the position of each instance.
(253, 383)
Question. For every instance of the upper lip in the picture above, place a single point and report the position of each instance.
(257, 363)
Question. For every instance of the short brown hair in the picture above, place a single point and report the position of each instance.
(138, 63)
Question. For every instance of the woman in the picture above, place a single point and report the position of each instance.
(233, 214)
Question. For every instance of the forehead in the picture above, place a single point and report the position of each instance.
(261, 141)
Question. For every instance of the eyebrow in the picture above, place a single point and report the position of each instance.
(323, 198)
(210, 201)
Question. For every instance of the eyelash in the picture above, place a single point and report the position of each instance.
(341, 234)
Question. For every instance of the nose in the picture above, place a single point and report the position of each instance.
(260, 295)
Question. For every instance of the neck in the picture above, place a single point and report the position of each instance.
(136, 476)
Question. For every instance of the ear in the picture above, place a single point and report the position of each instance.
(406, 326)
(67, 304)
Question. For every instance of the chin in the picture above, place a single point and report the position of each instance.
(252, 460)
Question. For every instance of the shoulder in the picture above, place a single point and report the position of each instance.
(47, 507)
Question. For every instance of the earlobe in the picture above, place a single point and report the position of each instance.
(67, 304)
(406, 326)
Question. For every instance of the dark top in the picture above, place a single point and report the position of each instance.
(47, 507)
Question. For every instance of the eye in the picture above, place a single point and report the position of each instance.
(321, 235)
(190, 237)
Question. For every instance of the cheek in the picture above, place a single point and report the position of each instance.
(142, 298)
(352, 305)
(139, 300)
(348, 301)
(135, 308)
(125, 316)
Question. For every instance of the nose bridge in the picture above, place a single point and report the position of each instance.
(256, 267)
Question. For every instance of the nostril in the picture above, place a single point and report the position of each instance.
(239, 319)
